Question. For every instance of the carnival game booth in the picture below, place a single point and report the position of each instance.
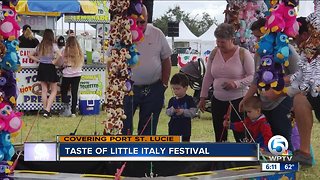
(38, 13)
(29, 98)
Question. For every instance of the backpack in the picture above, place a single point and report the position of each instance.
(241, 54)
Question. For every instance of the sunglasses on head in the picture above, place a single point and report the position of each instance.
(141, 22)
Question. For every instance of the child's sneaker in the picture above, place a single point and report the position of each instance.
(73, 115)
(302, 158)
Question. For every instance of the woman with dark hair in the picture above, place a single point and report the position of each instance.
(230, 69)
(47, 54)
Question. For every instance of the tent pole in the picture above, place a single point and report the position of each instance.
(46, 21)
(62, 25)
(172, 43)
(75, 29)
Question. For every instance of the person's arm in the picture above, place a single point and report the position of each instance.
(253, 89)
(170, 110)
(33, 55)
(166, 71)
(165, 55)
(237, 126)
(190, 112)
(206, 82)
(249, 68)
(60, 61)
(56, 57)
(208, 78)
(265, 129)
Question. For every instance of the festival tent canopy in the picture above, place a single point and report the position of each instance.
(62, 27)
(185, 35)
(208, 40)
(55, 7)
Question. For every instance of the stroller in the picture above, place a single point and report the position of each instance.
(195, 71)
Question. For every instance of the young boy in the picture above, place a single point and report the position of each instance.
(255, 122)
(181, 108)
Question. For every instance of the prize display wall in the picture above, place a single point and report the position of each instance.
(93, 81)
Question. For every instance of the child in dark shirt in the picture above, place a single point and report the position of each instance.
(255, 122)
(181, 108)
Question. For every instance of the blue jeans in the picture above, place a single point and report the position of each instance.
(149, 99)
(279, 121)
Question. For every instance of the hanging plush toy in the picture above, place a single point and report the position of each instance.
(5, 169)
(3, 50)
(266, 44)
(11, 119)
(275, 22)
(9, 27)
(118, 7)
(232, 15)
(267, 73)
(6, 148)
(135, 8)
(134, 55)
(10, 60)
(8, 86)
(137, 34)
(292, 26)
(281, 51)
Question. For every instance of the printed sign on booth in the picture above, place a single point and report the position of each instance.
(24, 59)
(29, 97)
(91, 83)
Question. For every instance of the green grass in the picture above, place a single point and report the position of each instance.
(202, 130)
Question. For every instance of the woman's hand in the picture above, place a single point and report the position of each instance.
(202, 104)
(228, 85)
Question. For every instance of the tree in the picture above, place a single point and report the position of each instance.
(197, 27)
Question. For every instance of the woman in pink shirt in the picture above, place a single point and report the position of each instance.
(230, 74)
(72, 69)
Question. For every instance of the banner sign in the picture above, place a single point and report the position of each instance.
(157, 152)
(102, 16)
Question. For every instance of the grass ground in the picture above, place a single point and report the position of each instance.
(202, 130)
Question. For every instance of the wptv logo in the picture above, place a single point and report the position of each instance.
(278, 146)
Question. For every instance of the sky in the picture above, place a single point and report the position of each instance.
(214, 7)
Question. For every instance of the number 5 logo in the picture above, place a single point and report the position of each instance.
(277, 145)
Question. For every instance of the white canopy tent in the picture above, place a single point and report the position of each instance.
(62, 27)
(185, 35)
(208, 41)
